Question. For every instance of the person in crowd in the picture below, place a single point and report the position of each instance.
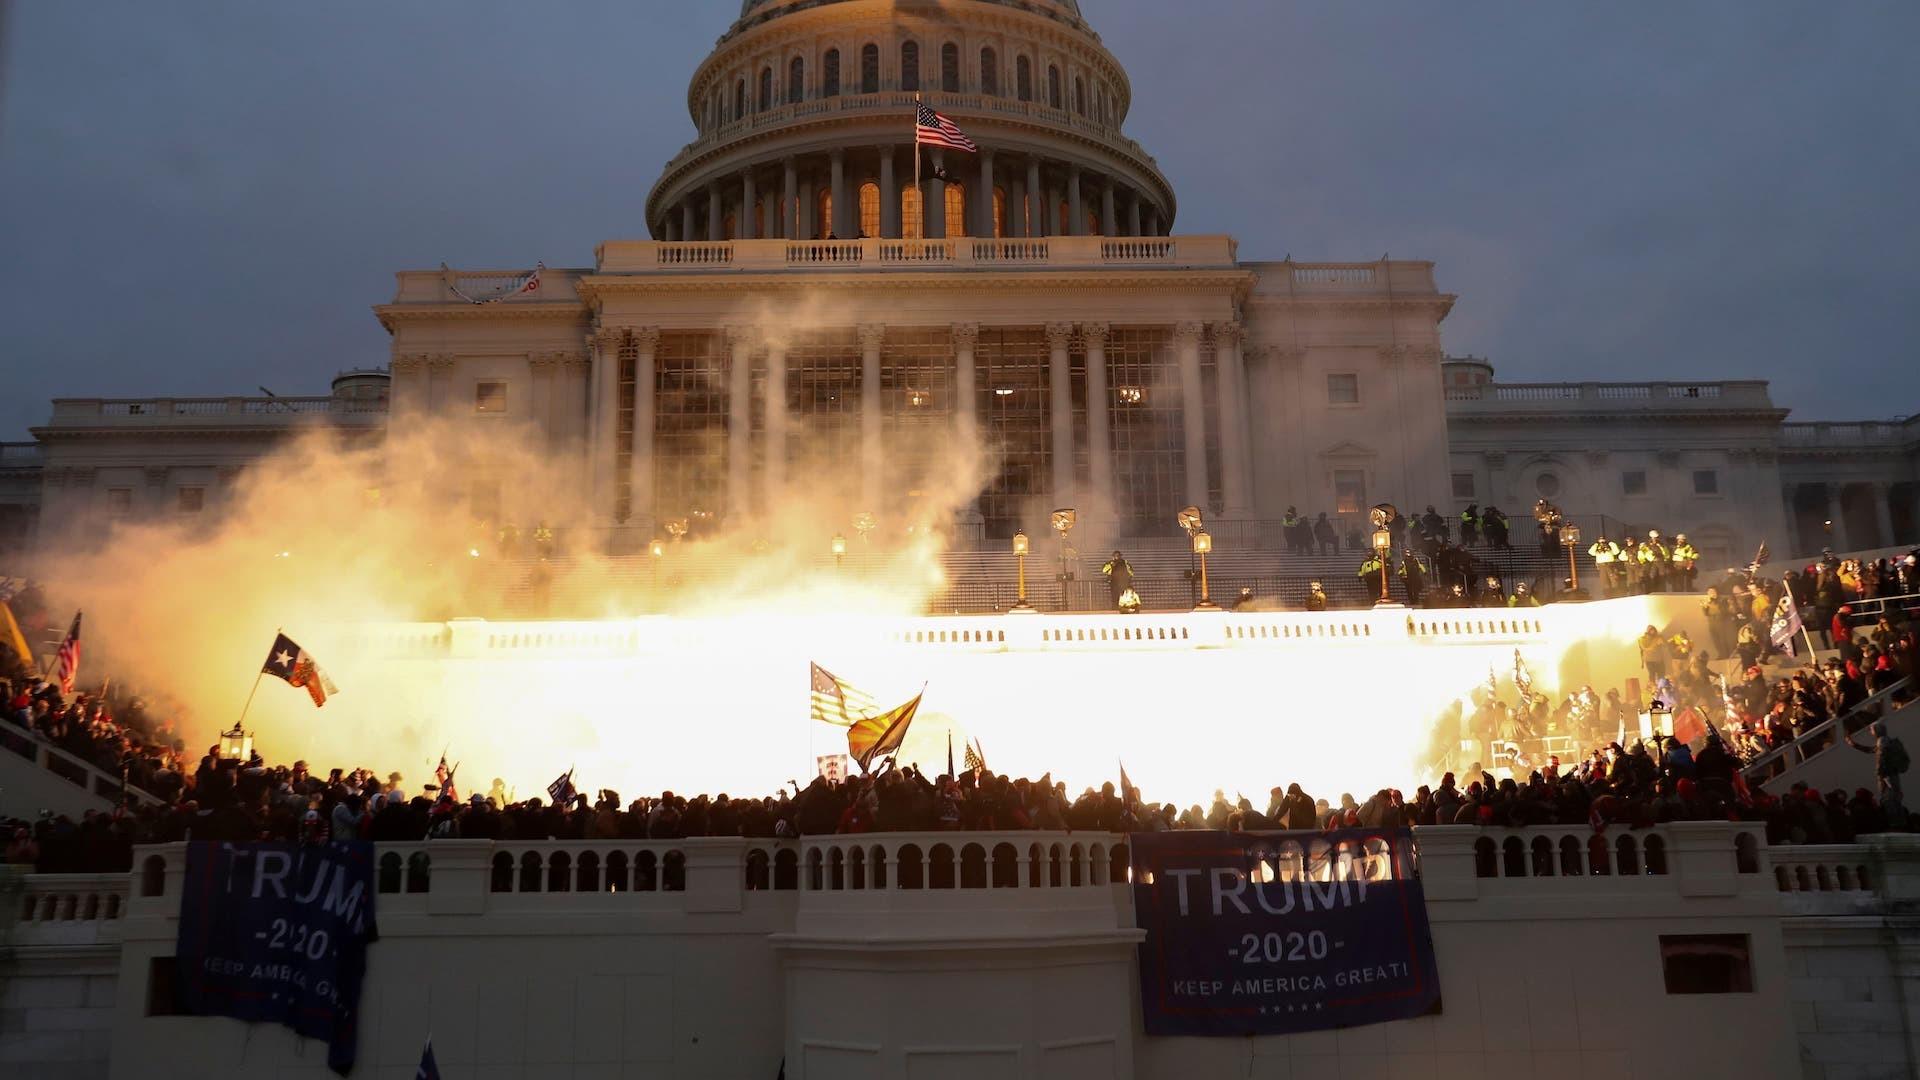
(1324, 536)
(1316, 598)
(1498, 531)
(1470, 525)
(1119, 576)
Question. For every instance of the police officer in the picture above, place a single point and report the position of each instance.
(1606, 559)
(1413, 576)
(1470, 525)
(1494, 524)
(1492, 593)
(1523, 596)
(1685, 562)
(1655, 559)
(1290, 528)
(1369, 573)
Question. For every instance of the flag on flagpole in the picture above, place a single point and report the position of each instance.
(1786, 623)
(836, 701)
(67, 658)
(444, 777)
(561, 790)
(932, 129)
(11, 636)
(296, 667)
(873, 736)
(974, 759)
(429, 1068)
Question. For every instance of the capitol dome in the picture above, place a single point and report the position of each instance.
(804, 121)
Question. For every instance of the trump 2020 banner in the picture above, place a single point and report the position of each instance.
(1279, 932)
(278, 932)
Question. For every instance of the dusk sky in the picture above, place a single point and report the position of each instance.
(201, 198)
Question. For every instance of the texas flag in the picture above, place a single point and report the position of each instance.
(290, 662)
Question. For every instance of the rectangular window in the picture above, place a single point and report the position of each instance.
(1343, 389)
(1706, 482)
(1349, 491)
(192, 499)
(490, 397)
(161, 974)
(1463, 485)
(1634, 482)
(1707, 963)
(119, 501)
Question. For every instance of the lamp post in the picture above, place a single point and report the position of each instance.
(236, 743)
(1202, 544)
(1570, 537)
(1383, 552)
(839, 550)
(1020, 560)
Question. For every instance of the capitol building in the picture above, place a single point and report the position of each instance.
(798, 307)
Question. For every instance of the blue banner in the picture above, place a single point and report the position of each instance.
(1278, 932)
(278, 932)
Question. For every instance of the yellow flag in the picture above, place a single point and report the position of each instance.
(10, 632)
(874, 736)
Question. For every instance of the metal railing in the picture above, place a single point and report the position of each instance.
(1823, 736)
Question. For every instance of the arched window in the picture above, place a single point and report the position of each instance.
(1079, 95)
(989, 73)
(796, 80)
(910, 216)
(830, 74)
(956, 209)
(766, 89)
(823, 219)
(870, 69)
(909, 65)
(1053, 86)
(950, 68)
(869, 209)
(1023, 78)
(999, 211)
(739, 98)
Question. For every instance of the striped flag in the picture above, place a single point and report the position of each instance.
(836, 702)
(974, 760)
(932, 129)
(562, 789)
(876, 736)
(294, 665)
(67, 658)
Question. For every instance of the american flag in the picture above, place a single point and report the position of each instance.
(930, 128)
(67, 659)
(836, 702)
(973, 758)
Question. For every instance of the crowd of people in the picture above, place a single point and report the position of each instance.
(1717, 693)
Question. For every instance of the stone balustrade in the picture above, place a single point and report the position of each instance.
(962, 252)
(134, 412)
(1622, 397)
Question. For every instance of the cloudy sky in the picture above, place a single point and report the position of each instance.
(199, 198)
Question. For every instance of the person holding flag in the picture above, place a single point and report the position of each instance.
(444, 777)
(66, 660)
(875, 736)
(562, 791)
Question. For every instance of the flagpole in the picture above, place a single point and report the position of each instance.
(916, 170)
(242, 722)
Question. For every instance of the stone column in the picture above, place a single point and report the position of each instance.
(872, 463)
(1193, 411)
(686, 218)
(1017, 207)
(716, 214)
(1883, 510)
(1153, 222)
(1060, 402)
(1133, 214)
(933, 204)
(770, 216)
(966, 402)
(1099, 439)
(740, 339)
(1109, 225)
(1036, 195)
(1055, 226)
(787, 225)
(983, 205)
(748, 202)
(603, 349)
(1077, 216)
(776, 426)
(640, 471)
(1231, 383)
(837, 170)
(889, 196)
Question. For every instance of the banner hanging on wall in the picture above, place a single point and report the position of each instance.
(1280, 932)
(278, 932)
